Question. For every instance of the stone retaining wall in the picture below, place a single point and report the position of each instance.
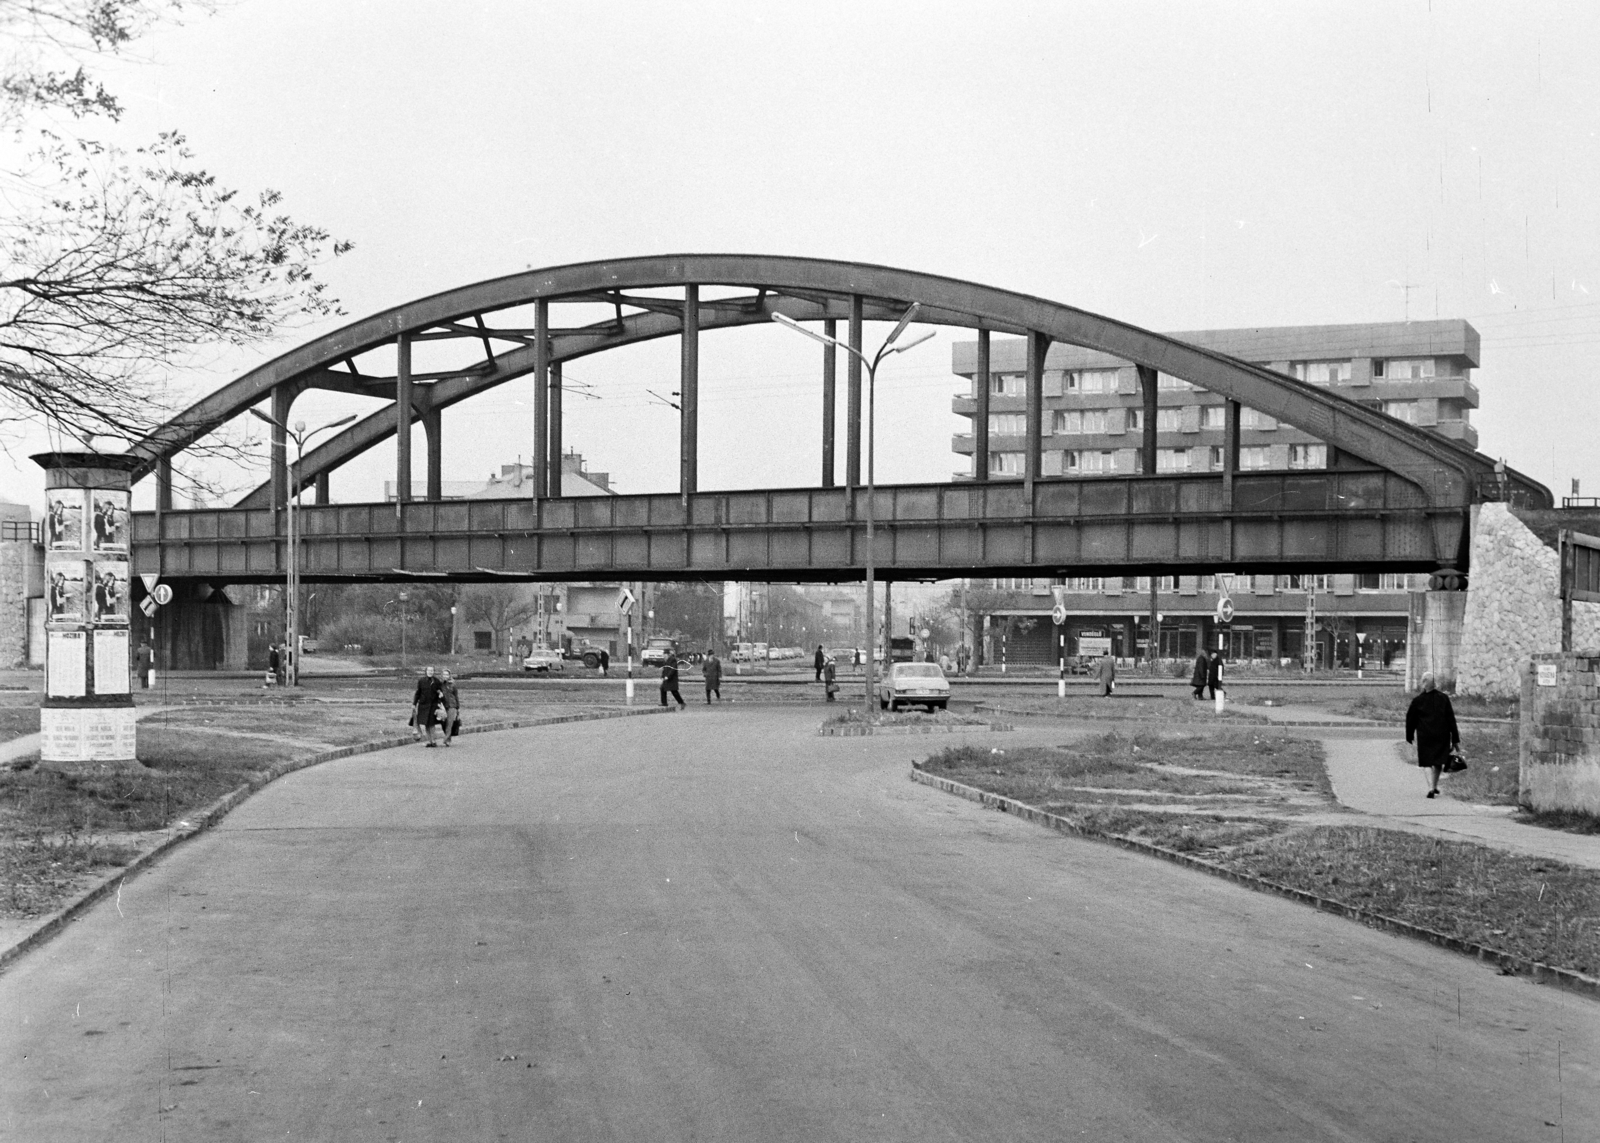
(1513, 610)
(1560, 735)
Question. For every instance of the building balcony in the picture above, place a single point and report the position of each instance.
(1445, 388)
(1462, 431)
(962, 443)
(964, 405)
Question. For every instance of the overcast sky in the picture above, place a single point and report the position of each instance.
(1176, 165)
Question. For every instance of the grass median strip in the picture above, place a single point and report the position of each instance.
(1531, 909)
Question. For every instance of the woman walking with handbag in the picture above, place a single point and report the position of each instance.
(1431, 724)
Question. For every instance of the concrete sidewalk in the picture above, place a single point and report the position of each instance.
(1369, 776)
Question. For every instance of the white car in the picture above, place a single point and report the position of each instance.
(913, 684)
(544, 660)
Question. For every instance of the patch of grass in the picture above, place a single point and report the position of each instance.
(15, 721)
(43, 867)
(1533, 908)
(1568, 821)
(1090, 770)
(856, 716)
(1390, 706)
(1147, 709)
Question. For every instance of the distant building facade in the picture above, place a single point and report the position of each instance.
(1419, 372)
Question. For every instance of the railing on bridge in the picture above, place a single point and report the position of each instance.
(1326, 519)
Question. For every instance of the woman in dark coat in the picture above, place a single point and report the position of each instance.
(1197, 680)
(1431, 724)
(1214, 673)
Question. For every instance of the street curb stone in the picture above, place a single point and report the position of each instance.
(854, 731)
(1508, 964)
(219, 809)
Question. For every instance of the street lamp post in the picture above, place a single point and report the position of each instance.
(291, 579)
(871, 363)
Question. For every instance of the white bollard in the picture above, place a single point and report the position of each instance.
(1220, 696)
(630, 692)
(1061, 688)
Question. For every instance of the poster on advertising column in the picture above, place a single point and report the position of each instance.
(110, 662)
(68, 651)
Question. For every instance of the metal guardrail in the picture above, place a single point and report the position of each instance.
(1580, 502)
(22, 531)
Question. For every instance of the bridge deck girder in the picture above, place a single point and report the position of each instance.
(1305, 521)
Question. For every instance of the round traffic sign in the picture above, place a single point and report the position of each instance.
(1058, 614)
(1224, 610)
(926, 632)
(162, 593)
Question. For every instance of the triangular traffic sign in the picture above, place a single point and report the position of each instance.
(150, 580)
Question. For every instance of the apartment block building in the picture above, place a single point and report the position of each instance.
(1419, 372)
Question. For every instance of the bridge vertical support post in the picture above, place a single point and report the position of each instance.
(980, 417)
(322, 488)
(830, 328)
(852, 448)
(282, 400)
(433, 430)
(164, 484)
(555, 429)
(1230, 452)
(1148, 392)
(402, 423)
(1230, 465)
(689, 396)
(541, 398)
(1038, 346)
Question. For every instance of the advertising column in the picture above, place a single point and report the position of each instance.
(87, 717)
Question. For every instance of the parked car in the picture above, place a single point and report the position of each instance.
(544, 659)
(758, 652)
(658, 650)
(914, 684)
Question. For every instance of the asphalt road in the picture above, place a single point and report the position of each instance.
(718, 926)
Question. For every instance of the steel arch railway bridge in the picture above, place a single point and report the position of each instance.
(1394, 497)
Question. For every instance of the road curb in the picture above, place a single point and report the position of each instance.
(851, 730)
(219, 809)
(1507, 963)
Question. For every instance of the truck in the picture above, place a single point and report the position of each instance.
(657, 650)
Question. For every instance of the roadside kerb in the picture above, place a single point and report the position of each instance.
(854, 730)
(1508, 964)
(219, 809)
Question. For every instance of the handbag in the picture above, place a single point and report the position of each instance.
(1455, 763)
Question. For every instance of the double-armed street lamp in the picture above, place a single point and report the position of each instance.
(871, 363)
(291, 579)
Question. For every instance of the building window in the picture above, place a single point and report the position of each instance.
(1254, 457)
(1085, 583)
(1402, 411)
(1253, 419)
(1404, 368)
(1005, 464)
(1172, 460)
(1306, 582)
(1007, 424)
(1169, 420)
(1308, 456)
(1369, 581)
(1006, 385)
(1088, 461)
(1213, 417)
(1136, 420)
(1167, 381)
(1321, 372)
(1081, 421)
(1214, 458)
(1091, 381)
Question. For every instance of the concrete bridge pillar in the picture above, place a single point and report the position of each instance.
(204, 629)
(322, 488)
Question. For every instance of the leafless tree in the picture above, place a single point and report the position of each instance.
(114, 265)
